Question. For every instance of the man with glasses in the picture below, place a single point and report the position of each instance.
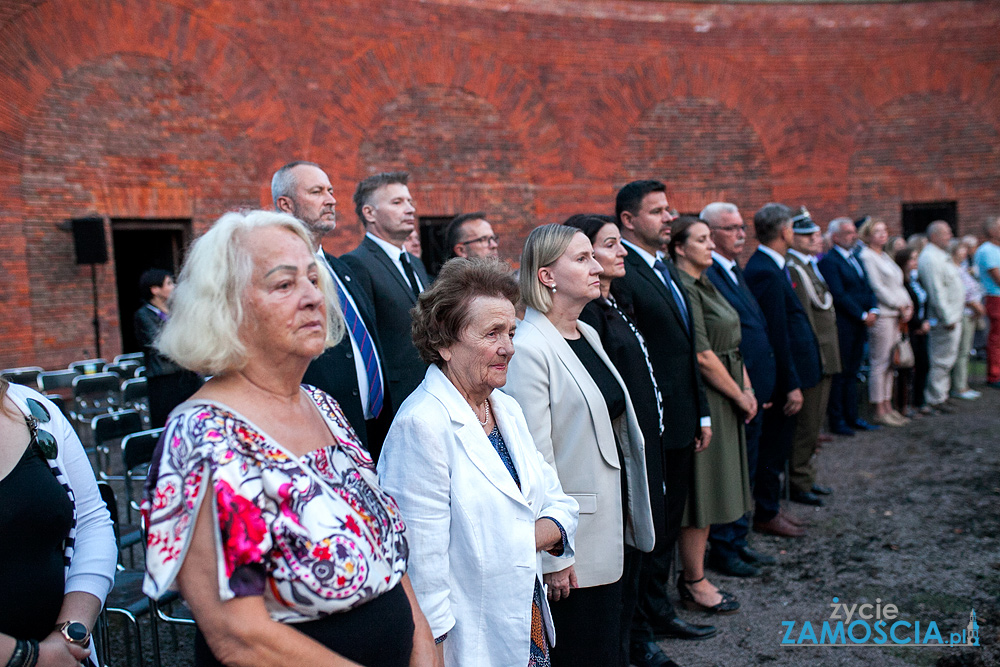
(730, 553)
(470, 235)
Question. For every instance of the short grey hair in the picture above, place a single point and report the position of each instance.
(716, 210)
(837, 223)
(542, 248)
(283, 182)
(206, 308)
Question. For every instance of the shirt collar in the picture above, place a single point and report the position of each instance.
(726, 263)
(646, 257)
(846, 254)
(808, 259)
(393, 251)
(778, 258)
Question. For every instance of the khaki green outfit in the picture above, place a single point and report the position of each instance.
(720, 488)
(818, 304)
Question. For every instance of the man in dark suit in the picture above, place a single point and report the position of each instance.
(391, 277)
(857, 310)
(352, 371)
(796, 361)
(730, 553)
(662, 315)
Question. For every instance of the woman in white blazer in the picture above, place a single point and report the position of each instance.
(480, 503)
(581, 419)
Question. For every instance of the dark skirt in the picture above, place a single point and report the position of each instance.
(379, 633)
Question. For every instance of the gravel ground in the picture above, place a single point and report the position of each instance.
(914, 521)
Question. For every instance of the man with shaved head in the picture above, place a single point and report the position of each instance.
(945, 307)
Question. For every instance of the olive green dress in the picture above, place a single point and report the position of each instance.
(720, 488)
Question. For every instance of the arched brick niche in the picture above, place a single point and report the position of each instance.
(463, 155)
(129, 136)
(704, 152)
(926, 147)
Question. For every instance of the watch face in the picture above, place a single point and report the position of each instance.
(77, 631)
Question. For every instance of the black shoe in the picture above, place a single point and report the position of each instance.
(993, 385)
(727, 605)
(677, 628)
(755, 557)
(806, 498)
(732, 565)
(842, 429)
(649, 654)
(821, 490)
(862, 425)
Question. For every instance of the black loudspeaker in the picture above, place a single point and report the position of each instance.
(89, 242)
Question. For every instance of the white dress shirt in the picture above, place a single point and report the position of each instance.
(393, 252)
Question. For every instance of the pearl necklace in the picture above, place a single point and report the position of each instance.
(484, 422)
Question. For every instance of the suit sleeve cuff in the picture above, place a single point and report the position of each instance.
(706, 422)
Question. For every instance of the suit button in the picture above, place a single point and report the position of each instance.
(350, 355)
(355, 392)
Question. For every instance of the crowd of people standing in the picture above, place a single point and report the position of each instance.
(489, 467)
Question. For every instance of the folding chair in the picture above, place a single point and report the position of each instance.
(129, 357)
(56, 380)
(123, 372)
(107, 428)
(59, 402)
(137, 452)
(88, 366)
(26, 375)
(94, 395)
(140, 372)
(126, 598)
(135, 396)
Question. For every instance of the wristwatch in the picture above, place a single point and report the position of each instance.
(75, 632)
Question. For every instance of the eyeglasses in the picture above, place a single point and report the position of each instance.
(46, 441)
(732, 228)
(483, 239)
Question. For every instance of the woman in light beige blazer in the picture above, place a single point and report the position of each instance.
(895, 307)
(581, 419)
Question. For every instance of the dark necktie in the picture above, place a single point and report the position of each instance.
(408, 270)
(365, 347)
(675, 292)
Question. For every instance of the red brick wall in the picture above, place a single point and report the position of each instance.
(529, 110)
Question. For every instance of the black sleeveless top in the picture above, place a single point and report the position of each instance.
(35, 518)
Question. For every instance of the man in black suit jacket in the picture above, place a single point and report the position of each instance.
(662, 315)
(391, 277)
(796, 359)
(857, 310)
(352, 371)
(730, 553)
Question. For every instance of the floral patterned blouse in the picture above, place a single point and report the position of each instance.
(313, 535)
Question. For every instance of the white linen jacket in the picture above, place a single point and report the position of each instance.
(941, 278)
(471, 531)
(570, 425)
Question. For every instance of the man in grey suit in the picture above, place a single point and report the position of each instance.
(352, 371)
(391, 277)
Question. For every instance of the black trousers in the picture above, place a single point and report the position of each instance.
(774, 450)
(588, 627)
(843, 405)
(921, 367)
(654, 607)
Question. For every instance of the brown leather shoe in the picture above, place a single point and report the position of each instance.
(779, 526)
(794, 519)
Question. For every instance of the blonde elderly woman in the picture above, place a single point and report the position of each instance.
(895, 308)
(263, 508)
(581, 419)
(481, 503)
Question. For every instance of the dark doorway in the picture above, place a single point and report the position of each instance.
(433, 251)
(140, 245)
(918, 215)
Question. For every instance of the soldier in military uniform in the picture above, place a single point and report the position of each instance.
(813, 292)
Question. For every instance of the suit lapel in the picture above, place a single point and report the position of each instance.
(595, 400)
(471, 437)
(647, 273)
(387, 265)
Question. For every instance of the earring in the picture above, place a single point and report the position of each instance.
(553, 288)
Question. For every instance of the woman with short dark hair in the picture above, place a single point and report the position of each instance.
(482, 505)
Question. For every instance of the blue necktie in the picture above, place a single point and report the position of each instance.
(676, 293)
(360, 333)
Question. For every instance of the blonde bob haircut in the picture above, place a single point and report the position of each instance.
(868, 229)
(206, 308)
(542, 248)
